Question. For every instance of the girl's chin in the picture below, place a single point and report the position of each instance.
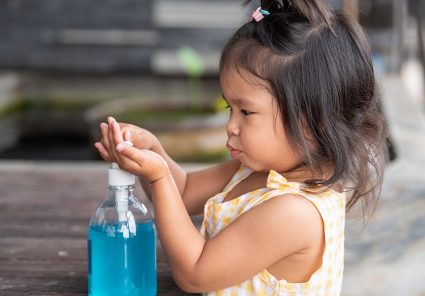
(235, 154)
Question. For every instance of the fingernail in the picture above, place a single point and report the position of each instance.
(120, 147)
(128, 134)
(128, 143)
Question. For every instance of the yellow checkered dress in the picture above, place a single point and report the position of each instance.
(327, 279)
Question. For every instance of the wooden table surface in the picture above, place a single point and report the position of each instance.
(44, 214)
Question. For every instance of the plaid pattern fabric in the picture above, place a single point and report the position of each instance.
(327, 279)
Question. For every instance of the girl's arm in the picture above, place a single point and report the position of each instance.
(196, 187)
(256, 240)
(179, 174)
(259, 238)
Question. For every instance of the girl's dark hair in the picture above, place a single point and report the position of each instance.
(317, 64)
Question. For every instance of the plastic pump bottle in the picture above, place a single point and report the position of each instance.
(121, 242)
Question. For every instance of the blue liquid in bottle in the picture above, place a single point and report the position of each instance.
(120, 265)
(121, 242)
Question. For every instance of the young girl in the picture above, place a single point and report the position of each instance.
(307, 142)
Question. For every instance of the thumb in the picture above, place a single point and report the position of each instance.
(128, 136)
(142, 162)
(126, 149)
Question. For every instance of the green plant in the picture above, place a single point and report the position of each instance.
(194, 67)
(15, 107)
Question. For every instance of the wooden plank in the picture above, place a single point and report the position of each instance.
(44, 215)
(44, 278)
(44, 293)
(76, 284)
(45, 248)
(51, 249)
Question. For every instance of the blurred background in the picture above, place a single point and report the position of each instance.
(67, 65)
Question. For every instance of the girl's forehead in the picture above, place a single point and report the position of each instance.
(241, 101)
(236, 72)
(235, 84)
(233, 78)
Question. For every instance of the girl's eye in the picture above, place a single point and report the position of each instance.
(243, 111)
(246, 113)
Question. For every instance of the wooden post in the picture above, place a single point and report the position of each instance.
(352, 7)
(418, 9)
(399, 16)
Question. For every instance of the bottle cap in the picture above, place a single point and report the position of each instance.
(118, 177)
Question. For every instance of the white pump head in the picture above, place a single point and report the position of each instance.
(118, 177)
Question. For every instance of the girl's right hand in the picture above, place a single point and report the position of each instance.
(141, 139)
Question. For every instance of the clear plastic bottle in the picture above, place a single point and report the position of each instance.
(121, 242)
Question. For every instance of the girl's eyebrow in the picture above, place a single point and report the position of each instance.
(239, 101)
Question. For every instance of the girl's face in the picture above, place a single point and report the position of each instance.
(256, 136)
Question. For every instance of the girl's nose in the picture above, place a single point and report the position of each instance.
(233, 126)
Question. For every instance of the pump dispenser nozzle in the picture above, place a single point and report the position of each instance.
(118, 177)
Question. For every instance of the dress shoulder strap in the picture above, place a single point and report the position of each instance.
(242, 173)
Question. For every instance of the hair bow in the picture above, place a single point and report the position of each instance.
(259, 14)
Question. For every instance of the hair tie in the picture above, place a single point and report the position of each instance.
(259, 14)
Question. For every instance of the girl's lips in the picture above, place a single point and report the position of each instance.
(233, 152)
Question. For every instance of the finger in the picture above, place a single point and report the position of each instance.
(134, 154)
(128, 143)
(103, 152)
(111, 140)
(105, 140)
(109, 147)
(142, 162)
(118, 135)
(130, 161)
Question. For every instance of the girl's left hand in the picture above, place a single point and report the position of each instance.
(141, 162)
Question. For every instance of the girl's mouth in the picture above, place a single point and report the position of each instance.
(233, 152)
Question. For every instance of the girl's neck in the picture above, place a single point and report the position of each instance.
(302, 173)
